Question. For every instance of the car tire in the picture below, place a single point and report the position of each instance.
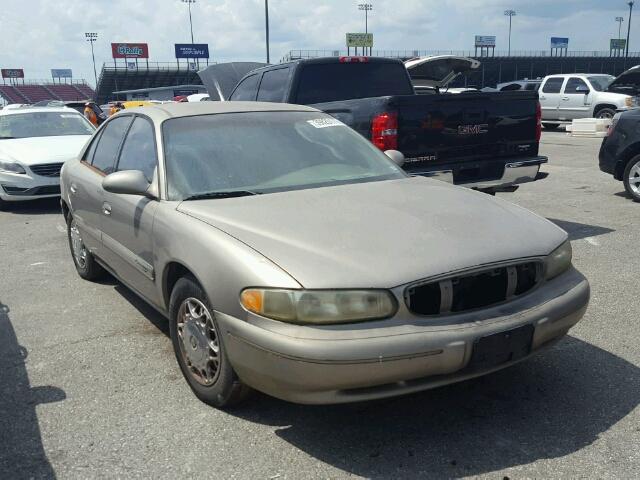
(85, 263)
(632, 170)
(606, 113)
(3, 205)
(199, 347)
(550, 126)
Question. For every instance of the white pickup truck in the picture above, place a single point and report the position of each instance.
(566, 97)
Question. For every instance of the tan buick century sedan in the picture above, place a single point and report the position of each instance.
(293, 257)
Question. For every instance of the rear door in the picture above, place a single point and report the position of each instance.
(575, 101)
(550, 97)
(128, 219)
(85, 188)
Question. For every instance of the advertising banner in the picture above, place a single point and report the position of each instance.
(61, 73)
(485, 41)
(12, 73)
(192, 50)
(617, 44)
(130, 50)
(359, 39)
(559, 42)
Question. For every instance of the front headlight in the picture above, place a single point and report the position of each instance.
(319, 306)
(630, 102)
(11, 167)
(559, 260)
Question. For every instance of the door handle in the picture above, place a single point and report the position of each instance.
(566, 99)
(73, 189)
(106, 208)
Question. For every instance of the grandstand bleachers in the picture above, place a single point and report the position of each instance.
(35, 92)
(113, 79)
(11, 95)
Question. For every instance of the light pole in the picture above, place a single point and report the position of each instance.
(629, 27)
(367, 7)
(189, 2)
(92, 37)
(619, 20)
(510, 14)
(266, 26)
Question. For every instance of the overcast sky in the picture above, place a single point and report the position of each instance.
(38, 35)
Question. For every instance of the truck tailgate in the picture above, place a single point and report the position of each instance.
(462, 128)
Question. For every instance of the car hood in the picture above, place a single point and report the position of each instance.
(628, 82)
(380, 234)
(35, 150)
(438, 71)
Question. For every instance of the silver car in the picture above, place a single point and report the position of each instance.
(292, 257)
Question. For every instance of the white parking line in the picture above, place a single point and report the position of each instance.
(592, 240)
(61, 229)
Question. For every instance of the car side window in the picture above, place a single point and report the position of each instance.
(553, 85)
(139, 149)
(104, 158)
(272, 86)
(88, 156)
(246, 89)
(576, 85)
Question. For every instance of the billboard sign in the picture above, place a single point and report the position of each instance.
(189, 50)
(61, 73)
(485, 41)
(359, 39)
(12, 73)
(559, 42)
(130, 50)
(617, 44)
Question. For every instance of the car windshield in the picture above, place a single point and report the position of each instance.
(601, 82)
(44, 124)
(263, 152)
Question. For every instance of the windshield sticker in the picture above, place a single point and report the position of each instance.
(325, 122)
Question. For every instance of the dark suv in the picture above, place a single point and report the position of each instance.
(620, 151)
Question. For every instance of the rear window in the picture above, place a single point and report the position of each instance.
(331, 82)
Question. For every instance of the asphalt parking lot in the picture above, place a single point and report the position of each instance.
(89, 387)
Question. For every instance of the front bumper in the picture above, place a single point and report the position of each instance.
(405, 354)
(20, 187)
(514, 173)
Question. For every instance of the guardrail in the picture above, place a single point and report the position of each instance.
(301, 54)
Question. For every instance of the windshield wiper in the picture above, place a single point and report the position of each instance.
(227, 194)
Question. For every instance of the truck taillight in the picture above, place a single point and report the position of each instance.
(354, 59)
(384, 131)
(538, 122)
(614, 122)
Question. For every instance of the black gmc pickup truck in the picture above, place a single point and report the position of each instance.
(482, 140)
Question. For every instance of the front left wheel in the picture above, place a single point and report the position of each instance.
(199, 347)
(606, 113)
(631, 178)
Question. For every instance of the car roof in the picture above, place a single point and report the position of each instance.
(189, 109)
(28, 109)
(564, 75)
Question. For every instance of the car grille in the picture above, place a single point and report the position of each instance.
(44, 190)
(47, 169)
(470, 291)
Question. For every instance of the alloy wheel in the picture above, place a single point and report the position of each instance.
(634, 178)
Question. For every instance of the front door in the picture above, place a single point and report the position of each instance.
(550, 98)
(127, 225)
(575, 101)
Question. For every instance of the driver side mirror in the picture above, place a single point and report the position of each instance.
(395, 156)
(127, 182)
